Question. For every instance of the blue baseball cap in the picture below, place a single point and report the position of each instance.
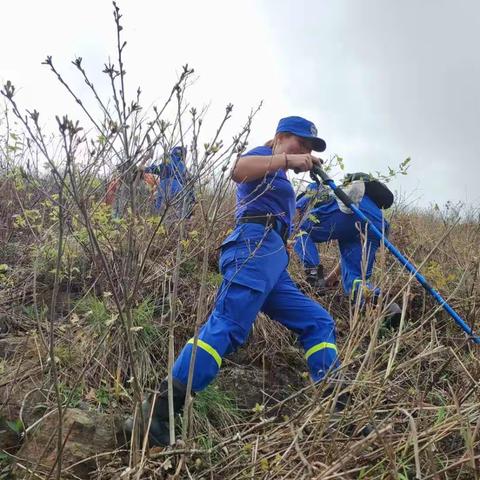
(302, 127)
(178, 152)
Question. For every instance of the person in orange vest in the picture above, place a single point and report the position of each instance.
(150, 180)
(112, 188)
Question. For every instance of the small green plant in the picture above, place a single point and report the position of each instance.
(142, 316)
(402, 169)
(5, 279)
(31, 311)
(441, 415)
(29, 218)
(213, 403)
(45, 258)
(15, 425)
(103, 396)
(205, 442)
(214, 279)
(433, 271)
(95, 311)
(66, 392)
(188, 267)
(105, 228)
(6, 461)
(65, 355)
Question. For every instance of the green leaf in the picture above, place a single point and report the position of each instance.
(15, 425)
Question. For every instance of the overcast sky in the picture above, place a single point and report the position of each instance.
(382, 79)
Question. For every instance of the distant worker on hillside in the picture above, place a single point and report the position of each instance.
(117, 197)
(326, 218)
(173, 187)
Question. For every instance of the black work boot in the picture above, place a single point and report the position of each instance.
(343, 399)
(159, 433)
(393, 316)
(315, 278)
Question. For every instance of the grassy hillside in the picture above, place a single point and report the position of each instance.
(261, 418)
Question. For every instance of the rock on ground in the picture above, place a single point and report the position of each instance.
(87, 434)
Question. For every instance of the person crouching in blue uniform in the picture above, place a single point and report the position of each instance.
(253, 263)
(173, 181)
(325, 219)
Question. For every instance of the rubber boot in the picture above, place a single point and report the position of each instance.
(342, 399)
(315, 277)
(392, 316)
(341, 402)
(159, 433)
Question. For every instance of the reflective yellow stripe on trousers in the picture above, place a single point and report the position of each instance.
(209, 349)
(319, 346)
(354, 287)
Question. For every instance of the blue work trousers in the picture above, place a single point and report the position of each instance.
(327, 222)
(253, 262)
(171, 190)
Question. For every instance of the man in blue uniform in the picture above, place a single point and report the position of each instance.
(325, 218)
(173, 176)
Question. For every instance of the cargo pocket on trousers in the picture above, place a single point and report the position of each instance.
(238, 305)
(242, 293)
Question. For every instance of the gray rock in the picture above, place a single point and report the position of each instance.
(88, 434)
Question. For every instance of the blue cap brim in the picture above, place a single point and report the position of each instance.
(318, 144)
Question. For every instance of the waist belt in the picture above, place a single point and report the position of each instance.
(267, 220)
